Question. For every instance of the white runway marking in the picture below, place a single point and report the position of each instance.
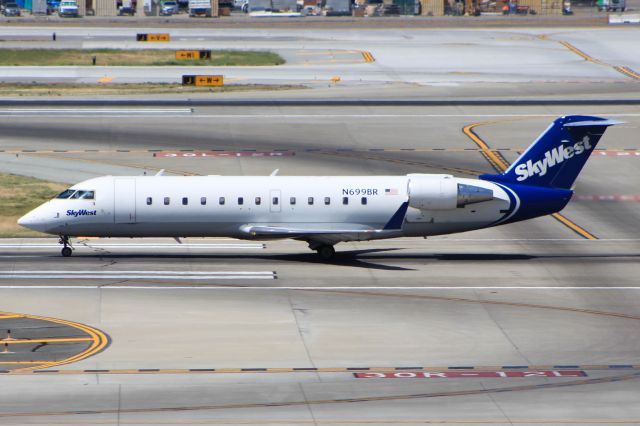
(137, 275)
(125, 114)
(239, 246)
(92, 111)
(333, 116)
(174, 287)
(152, 272)
(573, 240)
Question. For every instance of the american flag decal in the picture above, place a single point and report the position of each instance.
(391, 191)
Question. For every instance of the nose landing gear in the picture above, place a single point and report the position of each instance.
(67, 250)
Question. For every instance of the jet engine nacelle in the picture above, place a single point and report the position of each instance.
(443, 192)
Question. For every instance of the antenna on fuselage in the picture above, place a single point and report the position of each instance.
(160, 173)
(275, 172)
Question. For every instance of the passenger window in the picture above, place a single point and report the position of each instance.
(310, 201)
(221, 201)
(203, 201)
(89, 195)
(275, 201)
(327, 201)
(258, 201)
(292, 201)
(66, 194)
(149, 201)
(363, 201)
(240, 201)
(345, 200)
(167, 200)
(185, 201)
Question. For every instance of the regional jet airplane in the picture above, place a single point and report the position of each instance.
(324, 211)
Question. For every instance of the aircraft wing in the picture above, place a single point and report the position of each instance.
(353, 231)
(327, 231)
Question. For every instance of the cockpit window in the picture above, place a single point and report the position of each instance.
(77, 194)
(66, 193)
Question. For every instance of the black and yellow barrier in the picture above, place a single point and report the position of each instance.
(153, 37)
(193, 54)
(202, 80)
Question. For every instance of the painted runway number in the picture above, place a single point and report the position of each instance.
(469, 374)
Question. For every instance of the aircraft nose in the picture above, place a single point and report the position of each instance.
(31, 220)
(27, 220)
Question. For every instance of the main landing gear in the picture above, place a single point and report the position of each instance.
(325, 251)
(67, 250)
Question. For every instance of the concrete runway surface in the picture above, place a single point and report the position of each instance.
(526, 324)
(233, 332)
(397, 57)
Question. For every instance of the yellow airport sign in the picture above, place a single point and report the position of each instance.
(202, 80)
(163, 37)
(193, 54)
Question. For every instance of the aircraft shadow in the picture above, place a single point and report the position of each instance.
(369, 259)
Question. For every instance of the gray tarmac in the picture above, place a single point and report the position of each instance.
(421, 57)
(217, 331)
(535, 296)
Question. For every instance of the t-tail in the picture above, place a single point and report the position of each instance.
(541, 179)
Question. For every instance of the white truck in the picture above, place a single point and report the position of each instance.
(200, 8)
(68, 8)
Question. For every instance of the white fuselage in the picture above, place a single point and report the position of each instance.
(355, 208)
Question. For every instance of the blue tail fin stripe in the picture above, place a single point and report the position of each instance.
(398, 217)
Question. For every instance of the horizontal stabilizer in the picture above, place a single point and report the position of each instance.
(606, 123)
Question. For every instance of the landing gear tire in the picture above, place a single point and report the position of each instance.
(326, 252)
(67, 250)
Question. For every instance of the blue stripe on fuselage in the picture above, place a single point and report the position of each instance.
(398, 217)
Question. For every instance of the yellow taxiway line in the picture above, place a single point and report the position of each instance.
(500, 164)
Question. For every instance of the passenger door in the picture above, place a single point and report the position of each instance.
(124, 200)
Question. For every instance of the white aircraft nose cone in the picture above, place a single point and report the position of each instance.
(25, 220)
(31, 221)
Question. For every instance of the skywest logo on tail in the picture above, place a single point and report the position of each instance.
(552, 158)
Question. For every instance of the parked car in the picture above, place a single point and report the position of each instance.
(52, 6)
(168, 8)
(126, 10)
(68, 8)
(11, 9)
(242, 5)
(612, 5)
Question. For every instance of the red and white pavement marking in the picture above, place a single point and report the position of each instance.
(612, 198)
(613, 153)
(204, 154)
(469, 374)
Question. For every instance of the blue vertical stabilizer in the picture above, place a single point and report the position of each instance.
(556, 158)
